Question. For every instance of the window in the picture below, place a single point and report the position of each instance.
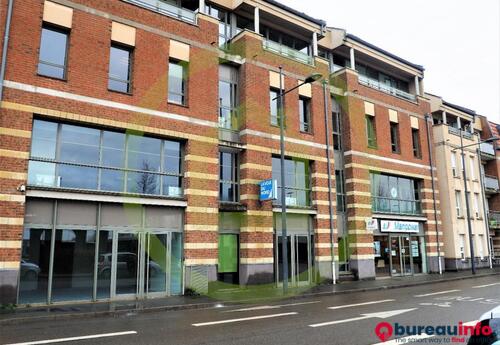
(120, 69)
(458, 203)
(93, 159)
(480, 246)
(305, 114)
(472, 168)
(229, 179)
(340, 188)
(477, 211)
(53, 58)
(371, 132)
(337, 129)
(274, 106)
(228, 97)
(224, 18)
(394, 137)
(394, 194)
(297, 181)
(454, 164)
(469, 202)
(177, 82)
(415, 134)
(462, 247)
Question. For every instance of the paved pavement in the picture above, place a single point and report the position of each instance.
(319, 319)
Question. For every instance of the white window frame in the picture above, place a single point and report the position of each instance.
(458, 203)
(462, 247)
(472, 173)
(454, 164)
(477, 210)
(480, 246)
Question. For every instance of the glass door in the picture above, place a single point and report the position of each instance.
(279, 262)
(302, 259)
(126, 263)
(156, 260)
(299, 259)
(396, 265)
(405, 255)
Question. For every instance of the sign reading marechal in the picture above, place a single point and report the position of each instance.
(268, 190)
(398, 226)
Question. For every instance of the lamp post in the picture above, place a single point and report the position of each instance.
(312, 78)
(467, 206)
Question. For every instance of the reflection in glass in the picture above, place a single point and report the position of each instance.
(42, 174)
(119, 69)
(156, 258)
(172, 186)
(126, 263)
(71, 176)
(35, 266)
(113, 149)
(53, 48)
(176, 264)
(112, 180)
(79, 144)
(74, 253)
(44, 139)
(302, 259)
(143, 183)
(104, 264)
(176, 82)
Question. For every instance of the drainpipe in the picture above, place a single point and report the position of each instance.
(5, 46)
(329, 173)
(429, 146)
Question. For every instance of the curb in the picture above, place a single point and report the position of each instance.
(207, 305)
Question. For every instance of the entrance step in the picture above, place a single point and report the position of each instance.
(346, 277)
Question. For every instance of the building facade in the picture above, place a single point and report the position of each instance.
(388, 212)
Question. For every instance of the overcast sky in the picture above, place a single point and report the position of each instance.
(457, 41)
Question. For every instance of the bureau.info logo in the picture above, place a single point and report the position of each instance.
(453, 333)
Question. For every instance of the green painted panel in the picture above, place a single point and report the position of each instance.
(228, 253)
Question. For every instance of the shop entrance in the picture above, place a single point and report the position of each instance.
(298, 257)
(399, 255)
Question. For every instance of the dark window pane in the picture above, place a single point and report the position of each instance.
(53, 46)
(43, 144)
(71, 176)
(34, 266)
(119, 69)
(74, 253)
(104, 264)
(79, 144)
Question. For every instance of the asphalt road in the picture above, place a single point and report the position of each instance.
(341, 319)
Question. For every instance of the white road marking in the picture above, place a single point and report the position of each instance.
(486, 285)
(361, 304)
(416, 338)
(437, 293)
(381, 315)
(243, 319)
(266, 307)
(61, 340)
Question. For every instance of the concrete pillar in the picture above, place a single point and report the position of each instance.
(256, 20)
(233, 25)
(315, 44)
(444, 117)
(417, 86)
(459, 125)
(353, 61)
(201, 6)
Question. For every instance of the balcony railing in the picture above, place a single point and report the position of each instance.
(295, 197)
(456, 131)
(494, 218)
(491, 184)
(396, 206)
(487, 149)
(373, 83)
(167, 9)
(288, 52)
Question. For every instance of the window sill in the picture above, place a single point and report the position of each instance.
(65, 79)
(460, 217)
(120, 92)
(178, 104)
(373, 147)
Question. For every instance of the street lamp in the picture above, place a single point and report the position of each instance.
(312, 78)
(467, 206)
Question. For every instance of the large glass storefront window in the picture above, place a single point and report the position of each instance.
(297, 181)
(98, 251)
(394, 194)
(76, 157)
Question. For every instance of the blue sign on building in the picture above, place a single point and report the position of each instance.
(268, 190)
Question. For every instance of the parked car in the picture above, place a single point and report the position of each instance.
(491, 319)
(29, 270)
(126, 264)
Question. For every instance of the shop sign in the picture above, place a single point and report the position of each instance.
(268, 190)
(399, 226)
(371, 224)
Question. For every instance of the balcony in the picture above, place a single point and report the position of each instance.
(288, 52)
(494, 219)
(396, 206)
(487, 151)
(491, 184)
(167, 9)
(375, 84)
(456, 131)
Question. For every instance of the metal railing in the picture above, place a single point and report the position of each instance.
(166, 9)
(487, 149)
(491, 183)
(396, 206)
(373, 83)
(288, 52)
(456, 131)
(494, 219)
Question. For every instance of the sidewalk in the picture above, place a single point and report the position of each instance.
(223, 298)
